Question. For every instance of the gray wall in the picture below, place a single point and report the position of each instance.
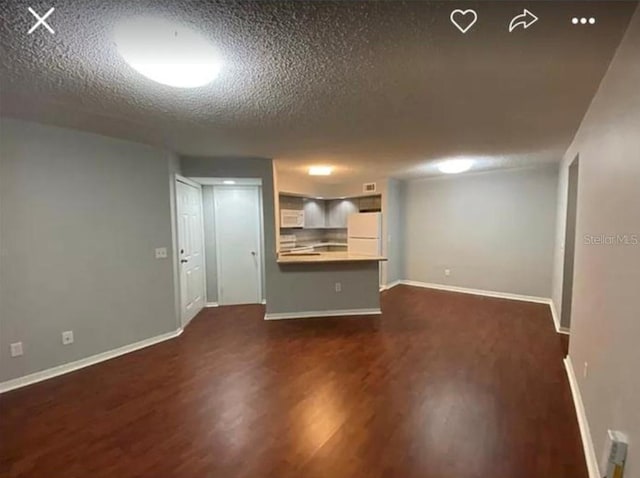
(605, 324)
(81, 217)
(291, 288)
(395, 231)
(493, 230)
(311, 287)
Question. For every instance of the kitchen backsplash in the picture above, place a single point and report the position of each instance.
(312, 236)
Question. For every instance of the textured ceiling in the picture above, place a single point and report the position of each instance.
(374, 88)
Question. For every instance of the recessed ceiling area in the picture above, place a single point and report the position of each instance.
(369, 88)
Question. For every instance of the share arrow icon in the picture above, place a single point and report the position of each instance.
(525, 19)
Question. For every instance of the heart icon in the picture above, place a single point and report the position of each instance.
(464, 19)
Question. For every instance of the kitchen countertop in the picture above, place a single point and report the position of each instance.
(330, 256)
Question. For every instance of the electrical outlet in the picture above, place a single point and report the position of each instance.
(585, 370)
(338, 287)
(67, 337)
(161, 253)
(447, 272)
(16, 349)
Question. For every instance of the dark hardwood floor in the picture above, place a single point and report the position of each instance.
(442, 385)
(564, 339)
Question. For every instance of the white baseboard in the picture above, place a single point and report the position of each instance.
(216, 304)
(391, 285)
(486, 293)
(322, 313)
(554, 315)
(583, 423)
(556, 320)
(82, 363)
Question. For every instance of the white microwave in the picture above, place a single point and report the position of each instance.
(291, 218)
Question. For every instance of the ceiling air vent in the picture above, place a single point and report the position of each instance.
(369, 187)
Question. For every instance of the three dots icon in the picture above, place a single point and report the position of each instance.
(583, 20)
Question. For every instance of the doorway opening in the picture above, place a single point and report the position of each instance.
(234, 240)
(569, 244)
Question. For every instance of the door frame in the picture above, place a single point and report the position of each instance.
(569, 244)
(182, 179)
(257, 186)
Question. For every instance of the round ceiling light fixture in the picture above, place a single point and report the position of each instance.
(167, 53)
(455, 166)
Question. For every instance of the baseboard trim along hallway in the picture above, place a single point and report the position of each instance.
(322, 313)
(486, 293)
(85, 362)
(583, 423)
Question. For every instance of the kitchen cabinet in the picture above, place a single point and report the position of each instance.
(370, 204)
(338, 210)
(322, 213)
(314, 213)
(291, 202)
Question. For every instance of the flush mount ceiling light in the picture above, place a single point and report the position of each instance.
(455, 166)
(228, 181)
(320, 170)
(166, 52)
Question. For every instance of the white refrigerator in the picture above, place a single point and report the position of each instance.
(364, 233)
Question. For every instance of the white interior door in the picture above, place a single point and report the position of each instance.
(238, 224)
(190, 249)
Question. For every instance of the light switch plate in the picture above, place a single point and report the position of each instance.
(16, 349)
(161, 253)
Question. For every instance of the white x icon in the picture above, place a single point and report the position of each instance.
(41, 20)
